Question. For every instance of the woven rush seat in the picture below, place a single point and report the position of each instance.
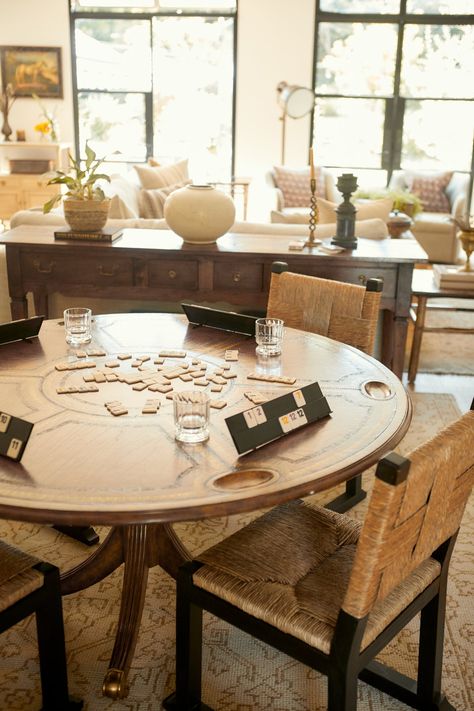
(17, 577)
(273, 570)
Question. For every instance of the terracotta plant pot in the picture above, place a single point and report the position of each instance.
(86, 215)
(199, 213)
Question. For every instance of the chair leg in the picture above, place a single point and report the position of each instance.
(342, 690)
(51, 646)
(430, 654)
(187, 696)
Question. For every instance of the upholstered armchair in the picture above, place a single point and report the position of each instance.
(444, 196)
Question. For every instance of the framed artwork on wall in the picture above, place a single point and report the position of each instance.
(32, 70)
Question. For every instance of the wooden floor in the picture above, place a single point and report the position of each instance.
(461, 386)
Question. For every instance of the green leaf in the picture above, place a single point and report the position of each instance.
(48, 206)
(90, 156)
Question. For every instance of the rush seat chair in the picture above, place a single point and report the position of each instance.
(29, 586)
(334, 595)
(345, 312)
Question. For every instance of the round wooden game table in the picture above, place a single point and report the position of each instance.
(84, 466)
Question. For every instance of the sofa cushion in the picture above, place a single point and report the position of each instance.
(152, 202)
(290, 216)
(431, 189)
(295, 185)
(162, 176)
(124, 197)
(366, 210)
(435, 222)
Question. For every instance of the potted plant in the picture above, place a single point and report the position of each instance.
(403, 201)
(86, 207)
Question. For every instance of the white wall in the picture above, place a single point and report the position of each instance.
(41, 24)
(275, 43)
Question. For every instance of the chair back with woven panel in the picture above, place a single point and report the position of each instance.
(345, 312)
(333, 593)
(417, 505)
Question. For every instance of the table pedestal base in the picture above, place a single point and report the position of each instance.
(140, 547)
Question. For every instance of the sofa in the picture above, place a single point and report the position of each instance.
(283, 196)
(444, 197)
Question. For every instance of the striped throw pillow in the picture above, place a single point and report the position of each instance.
(162, 176)
(152, 202)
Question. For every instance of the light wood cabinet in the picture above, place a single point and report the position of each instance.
(21, 191)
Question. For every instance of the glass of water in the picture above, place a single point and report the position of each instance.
(269, 336)
(77, 325)
(191, 416)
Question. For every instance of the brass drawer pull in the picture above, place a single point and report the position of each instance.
(105, 273)
(43, 270)
(236, 276)
(172, 274)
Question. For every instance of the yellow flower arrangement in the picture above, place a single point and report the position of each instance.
(44, 127)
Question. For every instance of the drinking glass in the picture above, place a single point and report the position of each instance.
(191, 416)
(269, 336)
(77, 325)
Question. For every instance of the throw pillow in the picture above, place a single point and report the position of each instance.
(162, 176)
(431, 191)
(295, 185)
(152, 202)
(123, 193)
(119, 210)
(367, 210)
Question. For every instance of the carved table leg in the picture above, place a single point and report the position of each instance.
(140, 547)
(40, 297)
(108, 556)
(144, 546)
(18, 308)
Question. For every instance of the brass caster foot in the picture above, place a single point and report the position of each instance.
(115, 684)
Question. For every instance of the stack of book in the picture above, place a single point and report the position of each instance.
(449, 276)
(107, 234)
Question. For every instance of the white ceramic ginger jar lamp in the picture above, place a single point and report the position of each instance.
(199, 213)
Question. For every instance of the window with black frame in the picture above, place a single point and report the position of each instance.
(393, 84)
(156, 78)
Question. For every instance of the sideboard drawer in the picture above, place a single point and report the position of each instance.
(238, 275)
(183, 273)
(43, 267)
(353, 275)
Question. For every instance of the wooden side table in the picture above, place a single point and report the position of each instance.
(424, 288)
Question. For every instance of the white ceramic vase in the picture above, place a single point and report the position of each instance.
(199, 213)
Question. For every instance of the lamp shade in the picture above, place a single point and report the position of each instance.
(296, 101)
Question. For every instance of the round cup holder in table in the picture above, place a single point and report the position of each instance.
(244, 479)
(377, 390)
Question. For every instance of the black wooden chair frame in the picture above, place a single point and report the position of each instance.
(45, 602)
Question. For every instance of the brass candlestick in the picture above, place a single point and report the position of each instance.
(313, 216)
(467, 240)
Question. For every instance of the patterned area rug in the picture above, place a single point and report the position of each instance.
(240, 673)
(446, 353)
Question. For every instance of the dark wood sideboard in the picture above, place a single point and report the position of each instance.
(157, 265)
